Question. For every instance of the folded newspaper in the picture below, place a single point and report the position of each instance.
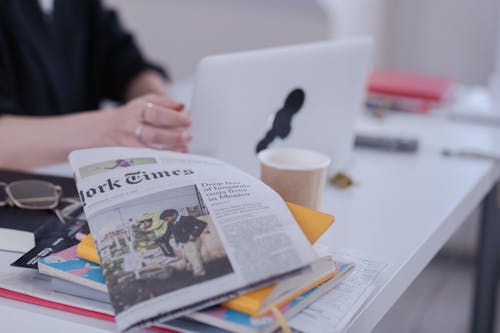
(177, 232)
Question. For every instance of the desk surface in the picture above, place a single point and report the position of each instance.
(406, 206)
(402, 210)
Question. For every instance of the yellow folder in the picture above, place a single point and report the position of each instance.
(313, 224)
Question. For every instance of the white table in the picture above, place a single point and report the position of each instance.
(407, 206)
(403, 209)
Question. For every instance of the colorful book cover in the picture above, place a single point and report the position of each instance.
(68, 266)
(243, 319)
(240, 322)
(259, 302)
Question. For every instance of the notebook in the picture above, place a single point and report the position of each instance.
(411, 85)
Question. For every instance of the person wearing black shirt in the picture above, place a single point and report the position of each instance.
(186, 231)
(58, 61)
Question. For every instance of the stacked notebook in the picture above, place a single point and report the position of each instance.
(76, 271)
(407, 91)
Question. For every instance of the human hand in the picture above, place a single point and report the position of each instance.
(192, 238)
(151, 121)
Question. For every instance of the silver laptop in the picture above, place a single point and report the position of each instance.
(304, 96)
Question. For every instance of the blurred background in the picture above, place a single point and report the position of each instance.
(455, 38)
(451, 38)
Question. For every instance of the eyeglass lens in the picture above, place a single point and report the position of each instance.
(33, 194)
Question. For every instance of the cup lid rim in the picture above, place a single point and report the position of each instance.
(262, 158)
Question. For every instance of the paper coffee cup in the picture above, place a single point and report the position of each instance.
(297, 175)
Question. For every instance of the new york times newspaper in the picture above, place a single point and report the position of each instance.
(178, 232)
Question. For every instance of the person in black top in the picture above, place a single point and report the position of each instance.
(57, 66)
(186, 231)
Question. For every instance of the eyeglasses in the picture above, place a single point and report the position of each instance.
(37, 195)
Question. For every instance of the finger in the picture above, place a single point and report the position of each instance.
(164, 117)
(164, 101)
(152, 135)
(178, 148)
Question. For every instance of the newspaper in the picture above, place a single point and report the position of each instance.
(178, 232)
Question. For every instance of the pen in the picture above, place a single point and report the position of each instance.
(471, 153)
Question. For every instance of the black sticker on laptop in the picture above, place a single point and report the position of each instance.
(282, 123)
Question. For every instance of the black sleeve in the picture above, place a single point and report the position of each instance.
(115, 53)
(8, 100)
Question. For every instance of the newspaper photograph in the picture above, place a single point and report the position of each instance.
(167, 242)
(177, 232)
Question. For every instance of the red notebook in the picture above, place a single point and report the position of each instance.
(14, 295)
(412, 85)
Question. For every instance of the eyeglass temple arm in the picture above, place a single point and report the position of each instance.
(59, 215)
(3, 202)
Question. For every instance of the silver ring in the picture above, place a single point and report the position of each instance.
(149, 105)
(138, 132)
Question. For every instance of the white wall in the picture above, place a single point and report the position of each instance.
(354, 18)
(178, 33)
(455, 38)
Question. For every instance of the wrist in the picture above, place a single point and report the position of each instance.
(107, 127)
(146, 82)
(96, 131)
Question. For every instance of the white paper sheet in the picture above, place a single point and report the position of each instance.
(332, 312)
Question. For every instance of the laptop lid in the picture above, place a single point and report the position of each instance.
(303, 96)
